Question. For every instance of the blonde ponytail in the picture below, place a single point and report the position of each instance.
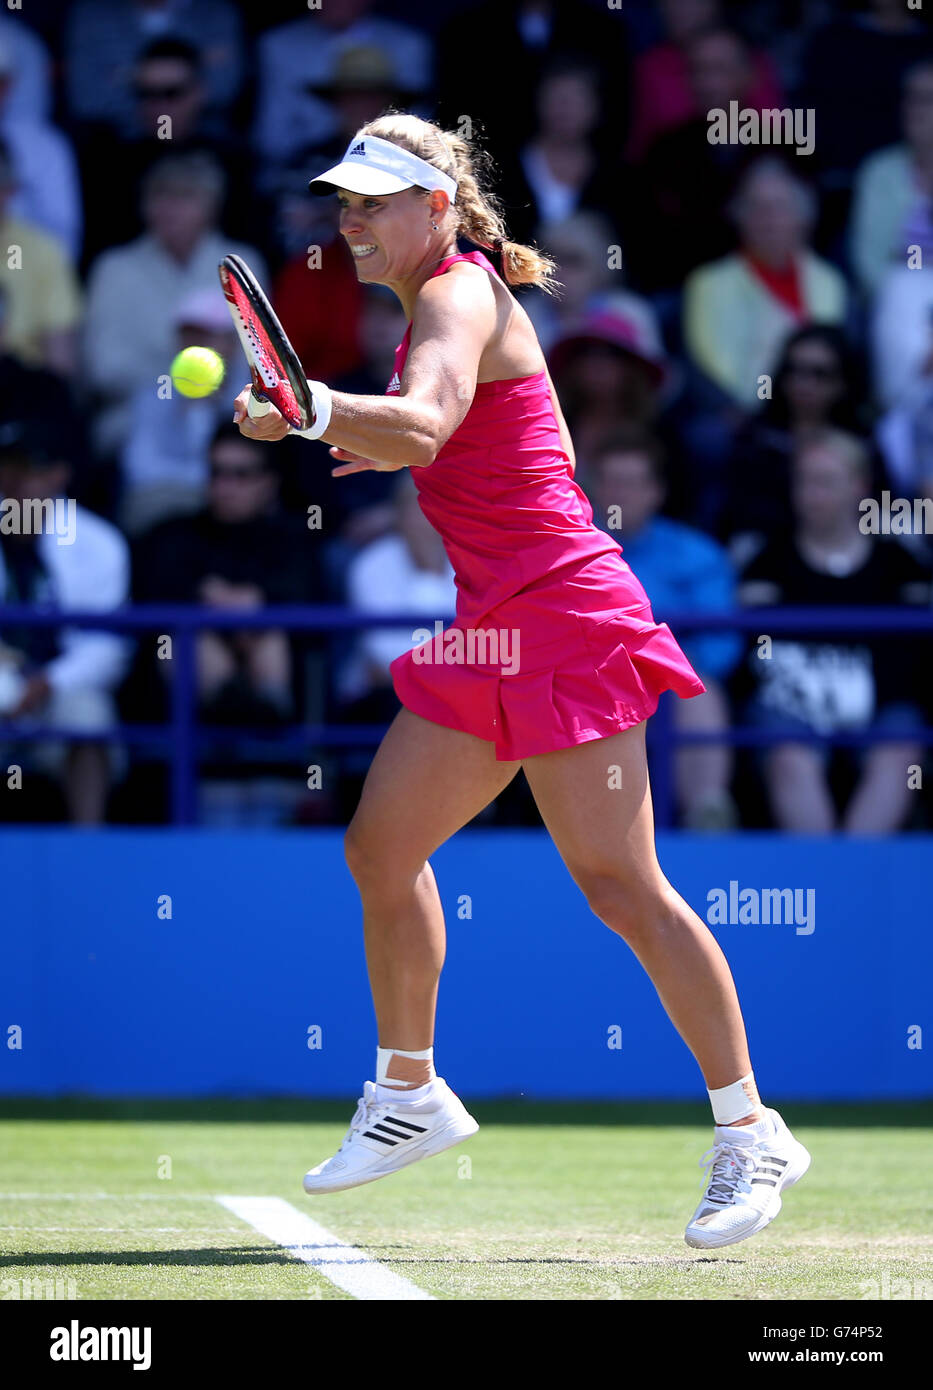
(478, 213)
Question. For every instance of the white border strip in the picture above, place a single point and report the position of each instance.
(105, 1196)
(350, 1269)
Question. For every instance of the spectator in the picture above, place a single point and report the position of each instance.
(682, 571)
(590, 273)
(31, 96)
(103, 39)
(298, 58)
(570, 160)
(37, 394)
(608, 373)
(663, 97)
(135, 290)
(49, 194)
(738, 310)
(317, 293)
(893, 204)
(819, 383)
(31, 393)
(404, 571)
(491, 57)
(853, 70)
(363, 503)
(300, 222)
(684, 184)
(905, 436)
(165, 462)
(824, 686)
(43, 298)
(320, 301)
(364, 82)
(239, 552)
(900, 335)
(171, 112)
(76, 560)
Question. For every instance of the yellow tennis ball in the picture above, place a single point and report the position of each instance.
(197, 371)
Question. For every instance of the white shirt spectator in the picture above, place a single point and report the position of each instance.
(31, 97)
(165, 462)
(382, 578)
(49, 192)
(93, 573)
(133, 296)
(902, 334)
(905, 438)
(554, 200)
(888, 211)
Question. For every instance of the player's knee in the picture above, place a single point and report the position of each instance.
(360, 850)
(375, 863)
(625, 904)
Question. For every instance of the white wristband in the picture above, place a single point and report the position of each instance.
(323, 407)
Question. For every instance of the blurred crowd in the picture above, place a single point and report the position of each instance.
(743, 348)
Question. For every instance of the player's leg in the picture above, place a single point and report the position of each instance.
(602, 826)
(423, 785)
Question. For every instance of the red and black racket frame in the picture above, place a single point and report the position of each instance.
(277, 373)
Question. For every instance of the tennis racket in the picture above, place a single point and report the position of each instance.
(278, 377)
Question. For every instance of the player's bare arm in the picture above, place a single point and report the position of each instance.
(453, 321)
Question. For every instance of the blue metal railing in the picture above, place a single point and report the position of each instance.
(181, 738)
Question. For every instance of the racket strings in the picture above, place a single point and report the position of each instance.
(274, 379)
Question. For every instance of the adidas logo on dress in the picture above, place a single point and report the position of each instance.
(395, 384)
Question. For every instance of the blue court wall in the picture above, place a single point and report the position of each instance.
(264, 943)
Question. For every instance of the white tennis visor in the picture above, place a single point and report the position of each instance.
(378, 166)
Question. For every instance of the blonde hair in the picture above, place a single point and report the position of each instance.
(478, 213)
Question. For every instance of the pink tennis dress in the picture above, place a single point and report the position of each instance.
(554, 642)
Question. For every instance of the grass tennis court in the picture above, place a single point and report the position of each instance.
(546, 1202)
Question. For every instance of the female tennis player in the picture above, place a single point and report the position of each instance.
(472, 411)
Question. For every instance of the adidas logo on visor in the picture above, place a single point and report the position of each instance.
(359, 149)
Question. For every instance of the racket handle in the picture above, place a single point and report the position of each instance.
(256, 406)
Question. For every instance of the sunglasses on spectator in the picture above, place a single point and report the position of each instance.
(240, 475)
(169, 92)
(811, 369)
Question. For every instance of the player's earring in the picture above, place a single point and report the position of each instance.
(434, 225)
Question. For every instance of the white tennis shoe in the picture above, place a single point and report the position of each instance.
(747, 1173)
(386, 1135)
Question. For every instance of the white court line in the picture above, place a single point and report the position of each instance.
(350, 1269)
